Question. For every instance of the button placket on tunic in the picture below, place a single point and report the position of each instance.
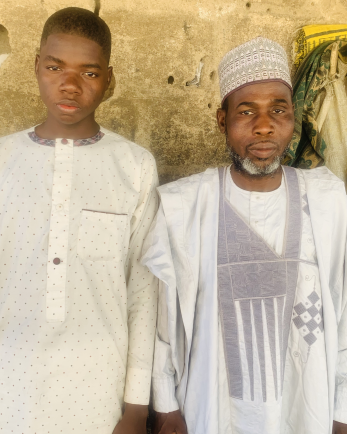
(59, 231)
(257, 212)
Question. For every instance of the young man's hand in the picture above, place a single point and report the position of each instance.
(170, 423)
(133, 420)
(339, 428)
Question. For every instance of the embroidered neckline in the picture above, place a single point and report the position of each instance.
(79, 142)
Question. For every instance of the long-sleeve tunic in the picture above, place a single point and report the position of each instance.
(190, 367)
(77, 309)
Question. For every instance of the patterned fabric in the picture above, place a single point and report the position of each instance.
(310, 37)
(257, 60)
(331, 106)
(258, 285)
(80, 142)
(69, 296)
(307, 146)
(308, 317)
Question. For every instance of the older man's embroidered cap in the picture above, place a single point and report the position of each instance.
(257, 60)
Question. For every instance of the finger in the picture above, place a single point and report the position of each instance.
(181, 430)
(167, 429)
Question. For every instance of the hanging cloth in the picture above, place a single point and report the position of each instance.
(331, 118)
(310, 37)
(308, 148)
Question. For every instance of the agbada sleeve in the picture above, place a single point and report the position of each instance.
(142, 292)
(340, 409)
(169, 341)
(163, 377)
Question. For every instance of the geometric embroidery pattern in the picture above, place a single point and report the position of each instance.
(257, 60)
(260, 284)
(37, 139)
(308, 318)
(79, 142)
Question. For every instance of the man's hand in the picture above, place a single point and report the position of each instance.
(133, 420)
(339, 428)
(170, 423)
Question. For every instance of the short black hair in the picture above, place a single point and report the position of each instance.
(81, 22)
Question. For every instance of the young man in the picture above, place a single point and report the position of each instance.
(78, 311)
(252, 325)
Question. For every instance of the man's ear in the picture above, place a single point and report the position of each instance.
(110, 84)
(37, 61)
(221, 120)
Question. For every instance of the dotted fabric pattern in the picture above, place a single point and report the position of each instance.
(76, 336)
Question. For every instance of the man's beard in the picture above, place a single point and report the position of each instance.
(248, 167)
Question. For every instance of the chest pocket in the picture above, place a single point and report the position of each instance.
(102, 236)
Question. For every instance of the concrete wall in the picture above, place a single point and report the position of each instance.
(157, 47)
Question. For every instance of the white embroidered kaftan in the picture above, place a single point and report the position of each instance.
(188, 374)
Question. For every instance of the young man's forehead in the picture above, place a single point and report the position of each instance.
(63, 48)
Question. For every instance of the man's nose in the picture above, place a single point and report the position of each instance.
(264, 125)
(71, 83)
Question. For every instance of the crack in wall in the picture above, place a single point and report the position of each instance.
(197, 78)
(97, 7)
(5, 48)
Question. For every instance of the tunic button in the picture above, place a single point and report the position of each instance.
(56, 261)
(64, 142)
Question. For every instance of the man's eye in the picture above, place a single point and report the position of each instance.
(279, 111)
(53, 68)
(90, 74)
(247, 112)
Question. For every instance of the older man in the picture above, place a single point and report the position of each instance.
(252, 327)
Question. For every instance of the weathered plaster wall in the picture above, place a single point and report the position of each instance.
(157, 47)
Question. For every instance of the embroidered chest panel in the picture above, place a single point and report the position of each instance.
(256, 289)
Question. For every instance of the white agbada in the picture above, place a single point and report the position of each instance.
(189, 368)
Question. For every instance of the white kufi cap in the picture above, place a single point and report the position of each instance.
(257, 60)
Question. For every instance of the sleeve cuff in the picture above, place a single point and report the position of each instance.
(164, 399)
(137, 386)
(340, 410)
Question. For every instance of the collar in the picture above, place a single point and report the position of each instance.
(79, 142)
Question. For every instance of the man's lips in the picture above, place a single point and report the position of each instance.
(68, 106)
(263, 150)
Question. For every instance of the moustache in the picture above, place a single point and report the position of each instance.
(253, 143)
